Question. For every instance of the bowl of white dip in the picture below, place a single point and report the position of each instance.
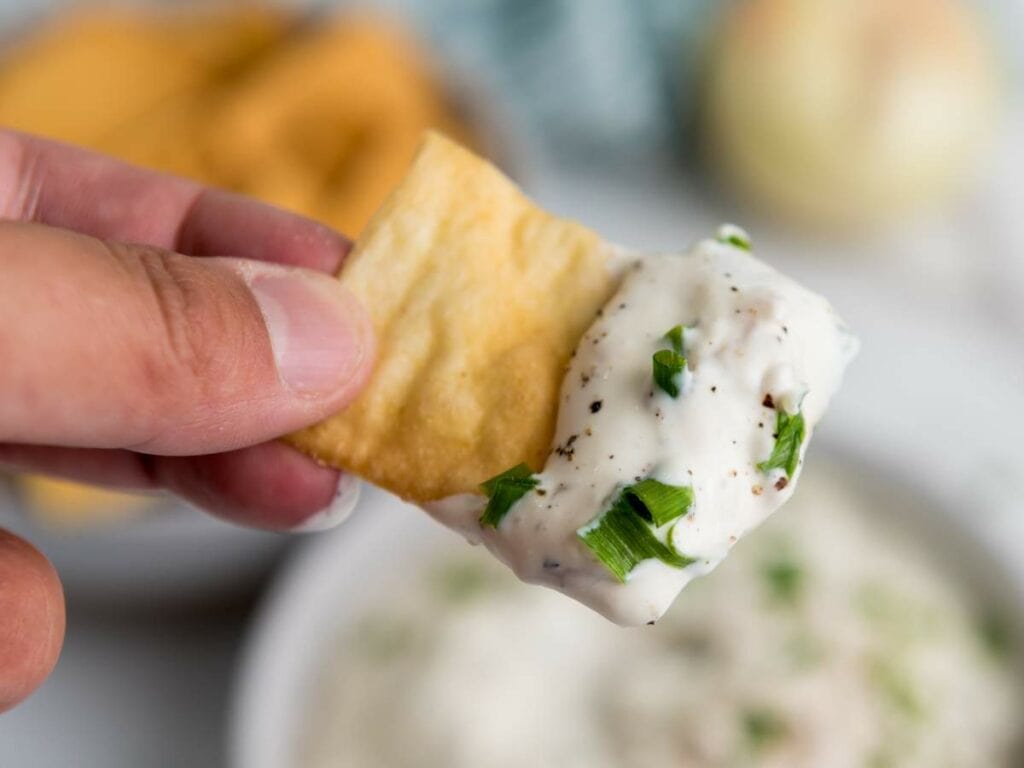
(864, 625)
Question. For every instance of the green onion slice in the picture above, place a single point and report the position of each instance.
(675, 338)
(623, 537)
(659, 502)
(668, 366)
(790, 433)
(504, 490)
(733, 235)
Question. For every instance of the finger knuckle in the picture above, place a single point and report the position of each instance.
(194, 336)
(183, 311)
(21, 176)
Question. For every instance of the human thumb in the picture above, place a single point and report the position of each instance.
(111, 345)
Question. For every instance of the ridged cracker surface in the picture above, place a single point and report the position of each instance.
(478, 299)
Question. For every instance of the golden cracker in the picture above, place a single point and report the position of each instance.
(478, 299)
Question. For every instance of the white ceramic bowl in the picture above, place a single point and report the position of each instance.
(331, 581)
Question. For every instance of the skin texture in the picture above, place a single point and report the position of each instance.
(478, 298)
(32, 629)
(136, 355)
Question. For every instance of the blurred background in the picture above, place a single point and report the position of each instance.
(873, 148)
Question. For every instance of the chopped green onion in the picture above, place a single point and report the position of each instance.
(623, 536)
(785, 580)
(763, 727)
(733, 235)
(668, 366)
(789, 431)
(675, 338)
(996, 636)
(504, 490)
(621, 540)
(659, 502)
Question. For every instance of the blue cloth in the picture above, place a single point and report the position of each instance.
(591, 78)
(603, 80)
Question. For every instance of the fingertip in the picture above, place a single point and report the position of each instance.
(223, 223)
(346, 497)
(270, 486)
(32, 619)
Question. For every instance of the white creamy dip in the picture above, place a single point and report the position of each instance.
(755, 342)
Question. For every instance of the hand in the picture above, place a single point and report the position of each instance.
(158, 334)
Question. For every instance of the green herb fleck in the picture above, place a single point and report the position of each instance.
(785, 580)
(763, 728)
(789, 431)
(504, 490)
(621, 539)
(659, 502)
(733, 235)
(996, 636)
(668, 366)
(460, 582)
(675, 338)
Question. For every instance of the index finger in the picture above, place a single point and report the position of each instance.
(63, 186)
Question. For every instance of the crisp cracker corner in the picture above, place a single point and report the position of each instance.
(478, 299)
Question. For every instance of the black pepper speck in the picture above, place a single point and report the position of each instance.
(596, 406)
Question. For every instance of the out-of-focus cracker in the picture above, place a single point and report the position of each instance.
(478, 299)
(328, 124)
(88, 74)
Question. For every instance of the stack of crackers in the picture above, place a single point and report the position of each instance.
(318, 116)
